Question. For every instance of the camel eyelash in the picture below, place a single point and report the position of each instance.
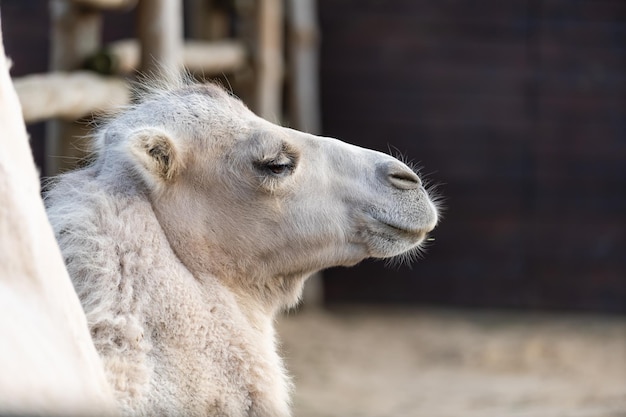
(279, 166)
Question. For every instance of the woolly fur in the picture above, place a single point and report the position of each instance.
(149, 316)
(171, 345)
(196, 223)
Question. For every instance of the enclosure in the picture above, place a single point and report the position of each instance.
(517, 111)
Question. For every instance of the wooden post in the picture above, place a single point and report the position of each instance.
(207, 21)
(303, 40)
(75, 36)
(69, 95)
(269, 59)
(200, 57)
(160, 33)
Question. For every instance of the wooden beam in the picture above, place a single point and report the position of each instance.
(69, 96)
(160, 33)
(269, 59)
(202, 57)
(207, 21)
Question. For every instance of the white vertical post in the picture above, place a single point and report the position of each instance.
(269, 59)
(160, 32)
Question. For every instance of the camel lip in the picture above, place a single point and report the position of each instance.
(420, 233)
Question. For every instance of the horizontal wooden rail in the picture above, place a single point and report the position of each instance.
(69, 96)
(207, 57)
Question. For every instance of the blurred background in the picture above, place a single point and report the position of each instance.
(515, 109)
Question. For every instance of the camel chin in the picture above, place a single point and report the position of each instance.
(401, 232)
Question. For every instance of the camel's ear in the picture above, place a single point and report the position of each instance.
(156, 152)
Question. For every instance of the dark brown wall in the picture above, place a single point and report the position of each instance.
(25, 28)
(519, 109)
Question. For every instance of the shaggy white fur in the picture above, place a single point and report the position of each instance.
(196, 223)
(171, 344)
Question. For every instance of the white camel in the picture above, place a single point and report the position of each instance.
(196, 223)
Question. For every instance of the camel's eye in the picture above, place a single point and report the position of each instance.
(279, 169)
(280, 166)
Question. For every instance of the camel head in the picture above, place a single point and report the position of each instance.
(257, 205)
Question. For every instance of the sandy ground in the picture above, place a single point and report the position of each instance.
(370, 362)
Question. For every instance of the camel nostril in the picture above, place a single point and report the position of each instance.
(404, 179)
